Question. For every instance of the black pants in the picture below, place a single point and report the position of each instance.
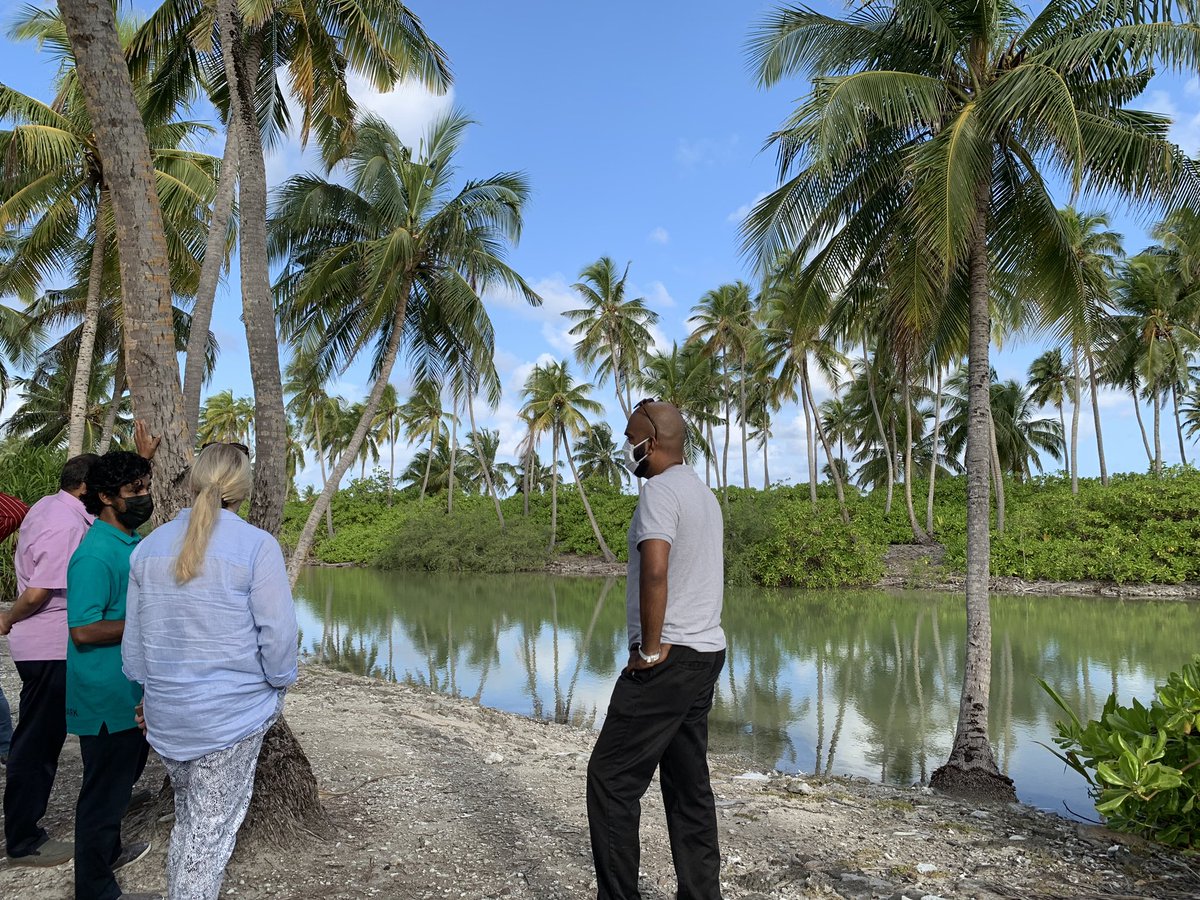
(112, 764)
(657, 718)
(33, 758)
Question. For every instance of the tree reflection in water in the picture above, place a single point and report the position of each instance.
(890, 665)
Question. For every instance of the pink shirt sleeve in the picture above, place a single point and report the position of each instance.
(45, 547)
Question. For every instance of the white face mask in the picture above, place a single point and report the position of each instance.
(632, 463)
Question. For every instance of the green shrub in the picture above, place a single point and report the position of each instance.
(29, 473)
(1142, 763)
(430, 540)
(814, 549)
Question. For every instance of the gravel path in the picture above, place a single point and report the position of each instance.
(435, 797)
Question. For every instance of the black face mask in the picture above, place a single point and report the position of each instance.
(138, 511)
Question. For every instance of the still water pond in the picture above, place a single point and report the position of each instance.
(859, 683)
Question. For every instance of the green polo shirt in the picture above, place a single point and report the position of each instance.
(98, 693)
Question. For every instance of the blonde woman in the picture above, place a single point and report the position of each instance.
(210, 631)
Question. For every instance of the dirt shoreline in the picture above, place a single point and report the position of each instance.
(435, 797)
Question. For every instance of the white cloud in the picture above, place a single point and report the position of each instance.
(657, 296)
(1185, 127)
(739, 215)
(659, 235)
(1192, 88)
(409, 107)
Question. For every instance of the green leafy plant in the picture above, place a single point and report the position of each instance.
(1142, 762)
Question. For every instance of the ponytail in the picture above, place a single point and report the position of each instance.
(220, 475)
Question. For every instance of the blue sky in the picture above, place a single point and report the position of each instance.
(641, 131)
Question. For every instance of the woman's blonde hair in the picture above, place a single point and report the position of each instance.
(220, 475)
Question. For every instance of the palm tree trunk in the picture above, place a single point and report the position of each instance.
(527, 474)
(392, 438)
(837, 475)
(1062, 423)
(742, 413)
(149, 335)
(919, 534)
(554, 491)
(1077, 381)
(810, 445)
(434, 434)
(391, 351)
(998, 473)
(210, 273)
(321, 458)
(1158, 455)
(933, 464)
(453, 453)
(891, 457)
(1178, 422)
(87, 335)
(1137, 411)
(587, 507)
(1092, 384)
(728, 422)
(258, 308)
(766, 467)
(483, 463)
(114, 406)
(971, 768)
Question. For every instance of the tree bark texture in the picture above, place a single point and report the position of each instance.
(258, 308)
(210, 275)
(87, 335)
(810, 446)
(149, 335)
(1137, 411)
(971, 768)
(887, 448)
(1178, 422)
(919, 534)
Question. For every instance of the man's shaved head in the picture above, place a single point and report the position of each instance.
(662, 425)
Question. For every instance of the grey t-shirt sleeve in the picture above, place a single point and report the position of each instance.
(657, 515)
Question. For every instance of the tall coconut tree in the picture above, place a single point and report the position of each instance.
(1052, 384)
(722, 323)
(558, 406)
(689, 379)
(369, 259)
(941, 121)
(423, 418)
(613, 331)
(227, 419)
(313, 409)
(55, 202)
(599, 458)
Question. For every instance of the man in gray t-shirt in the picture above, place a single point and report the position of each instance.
(658, 715)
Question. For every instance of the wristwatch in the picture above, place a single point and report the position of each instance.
(648, 658)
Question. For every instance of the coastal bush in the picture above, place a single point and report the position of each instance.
(1142, 763)
(28, 473)
(431, 540)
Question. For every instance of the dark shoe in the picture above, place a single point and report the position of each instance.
(51, 853)
(139, 799)
(131, 853)
(151, 895)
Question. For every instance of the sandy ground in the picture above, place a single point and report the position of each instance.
(433, 797)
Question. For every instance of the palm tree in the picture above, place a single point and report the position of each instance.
(480, 462)
(554, 403)
(793, 341)
(317, 412)
(47, 400)
(370, 260)
(387, 422)
(932, 121)
(1155, 333)
(56, 202)
(226, 419)
(599, 458)
(687, 378)
(1051, 384)
(1079, 316)
(614, 333)
(722, 325)
(422, 417)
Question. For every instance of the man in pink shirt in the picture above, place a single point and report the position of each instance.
(36, 626)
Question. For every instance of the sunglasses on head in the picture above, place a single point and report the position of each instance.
(241, 447)
(643, 406)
